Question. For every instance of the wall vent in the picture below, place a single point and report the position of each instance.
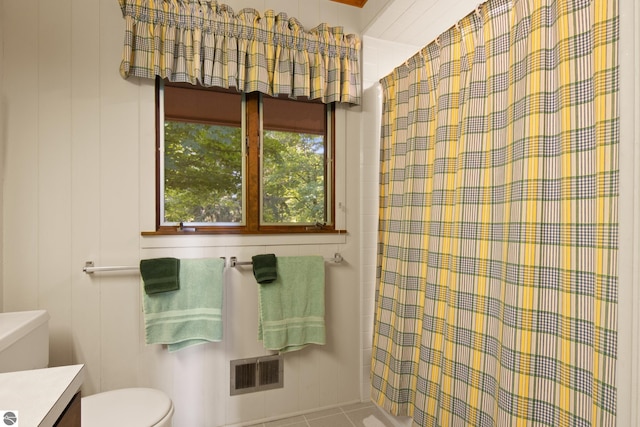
(256, 374)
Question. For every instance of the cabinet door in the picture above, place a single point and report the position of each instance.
(71, 415)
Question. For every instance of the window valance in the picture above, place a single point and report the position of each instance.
(203, 42)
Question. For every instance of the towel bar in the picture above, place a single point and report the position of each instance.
(89, 268)
(233, 261)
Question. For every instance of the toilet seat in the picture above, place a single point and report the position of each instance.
(129, 407)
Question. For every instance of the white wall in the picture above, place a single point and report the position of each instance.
(628, 366)
(79, 185)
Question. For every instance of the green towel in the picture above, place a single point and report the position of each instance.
(264, 268)
(192, 315)
(160, 275)
(292, 307)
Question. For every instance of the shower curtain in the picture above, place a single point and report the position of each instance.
(497, 273)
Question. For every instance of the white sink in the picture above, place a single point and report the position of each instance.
(24, 340)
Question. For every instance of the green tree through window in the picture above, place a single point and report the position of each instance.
(203, 173)
(243, 163)
(293, 178)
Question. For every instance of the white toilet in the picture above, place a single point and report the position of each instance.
(24, 344)
(127, 407)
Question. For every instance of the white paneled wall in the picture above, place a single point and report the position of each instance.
(78, 148)
(628, 362)
(85, 210)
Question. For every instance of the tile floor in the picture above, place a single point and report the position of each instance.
(355, 415)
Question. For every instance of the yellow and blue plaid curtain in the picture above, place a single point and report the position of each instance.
(496, 302)
(203, 42)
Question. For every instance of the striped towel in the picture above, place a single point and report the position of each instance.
(292, 306)
(191, 315)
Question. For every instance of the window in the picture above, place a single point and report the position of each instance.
(243, 163)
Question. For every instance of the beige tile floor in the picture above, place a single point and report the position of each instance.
(346, 416)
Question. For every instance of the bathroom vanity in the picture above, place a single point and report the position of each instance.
(31, 394)
(43, 397)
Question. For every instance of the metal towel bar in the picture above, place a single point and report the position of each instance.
(90, 268)
(233, 261)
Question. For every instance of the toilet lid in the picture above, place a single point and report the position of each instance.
(125, 407)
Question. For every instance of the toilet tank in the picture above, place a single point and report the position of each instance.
(24, 340)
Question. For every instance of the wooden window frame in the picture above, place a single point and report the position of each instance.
(357, 3)
(251, 204)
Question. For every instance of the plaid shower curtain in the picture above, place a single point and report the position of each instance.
(496, 302)
(207, 43)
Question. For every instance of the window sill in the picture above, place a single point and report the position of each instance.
(174, 231)
(166, 238)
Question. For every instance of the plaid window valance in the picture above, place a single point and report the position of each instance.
(203, 42)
